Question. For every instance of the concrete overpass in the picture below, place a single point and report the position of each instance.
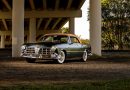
(27, 20)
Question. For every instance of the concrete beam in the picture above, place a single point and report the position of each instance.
(5, 32)
(32, 30)
(44, 14)
(5, 25)
(2, 41)
(69, 4)
(39, 32)
(56, 23)
(81, 3)
(6, 4)
(72, 25)
(47, 23)
(57, 4)
(39, 23)
(44, 4)
(64, 23)
(32, 4)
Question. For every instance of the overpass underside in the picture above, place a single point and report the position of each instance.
(27, 20)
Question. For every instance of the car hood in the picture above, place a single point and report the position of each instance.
(44, 44)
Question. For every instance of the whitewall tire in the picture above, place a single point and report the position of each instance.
(85, 56)
(61, 57)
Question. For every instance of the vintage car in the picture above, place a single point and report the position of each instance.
(56, 46)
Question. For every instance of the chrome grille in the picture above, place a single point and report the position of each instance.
(30, 50)
(45, 51)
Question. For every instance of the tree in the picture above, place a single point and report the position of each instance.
(115, 23)
(65, 30)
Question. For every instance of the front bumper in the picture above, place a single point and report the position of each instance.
(40, 56)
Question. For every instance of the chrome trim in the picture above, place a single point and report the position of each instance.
(30, 52)
(45, 51)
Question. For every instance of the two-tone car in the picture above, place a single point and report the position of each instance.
(56, 46)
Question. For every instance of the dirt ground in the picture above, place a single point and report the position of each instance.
(18, 71)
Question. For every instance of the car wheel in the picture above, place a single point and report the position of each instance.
(61, 57)
(30, 60)
(85, 56)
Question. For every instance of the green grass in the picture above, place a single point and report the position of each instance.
(95, 85)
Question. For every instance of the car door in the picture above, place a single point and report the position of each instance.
(75, 48)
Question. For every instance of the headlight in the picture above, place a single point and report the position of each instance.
(23, 47)
(53, 48)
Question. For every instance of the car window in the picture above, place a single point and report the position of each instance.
(64, 40)
(48, 39)
(74, 40)
(55, 39)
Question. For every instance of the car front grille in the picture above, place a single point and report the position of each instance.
(30, 50)
(45, 51)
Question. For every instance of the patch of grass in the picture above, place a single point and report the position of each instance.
(94, 85)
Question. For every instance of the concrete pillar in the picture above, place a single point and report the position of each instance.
(2, 41)
(17, 27)
(95, 26)
(32, 30)
(72, 25)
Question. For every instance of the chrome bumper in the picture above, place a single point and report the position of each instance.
(36, 56)
(40, 56)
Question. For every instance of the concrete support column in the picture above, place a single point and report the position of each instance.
(32, 30)
(95, 26)
(2, 41)
(17, 27)
(72, 25)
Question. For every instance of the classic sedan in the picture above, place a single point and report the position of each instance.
(57, 47)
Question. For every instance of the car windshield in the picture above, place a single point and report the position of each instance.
(55, 38)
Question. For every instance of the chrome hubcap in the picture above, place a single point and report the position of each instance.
(85, 56)
(61, 57)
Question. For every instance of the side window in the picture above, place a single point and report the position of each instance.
(47, 39)
(64, 40)
(74, 40)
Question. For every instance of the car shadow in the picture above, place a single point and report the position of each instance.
(55, 62)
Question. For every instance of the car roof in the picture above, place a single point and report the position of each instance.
(61, 34)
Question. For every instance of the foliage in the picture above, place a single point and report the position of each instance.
(85, 41)
(115, 23)
(65, 30)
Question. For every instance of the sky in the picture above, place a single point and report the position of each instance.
(81, 24)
